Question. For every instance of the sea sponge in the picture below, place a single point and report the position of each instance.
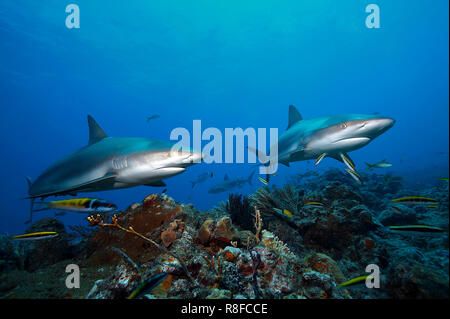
(204, 233)
(324, 264)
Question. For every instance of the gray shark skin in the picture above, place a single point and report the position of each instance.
(228, 184)
(333, 136)
(112, 163)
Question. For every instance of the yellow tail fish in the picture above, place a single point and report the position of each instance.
(35, 236)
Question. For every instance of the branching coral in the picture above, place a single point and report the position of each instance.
(97, 221)
(216, 267)
(258, 225)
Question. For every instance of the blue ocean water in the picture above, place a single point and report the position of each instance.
(227, 63)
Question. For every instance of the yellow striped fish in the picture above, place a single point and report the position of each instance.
(79, 205)
(354, 175)
(263, 181)
(287, 213)
(355, 281)
(35, 236)
(415, 200)
(309, 203)
(348, 162)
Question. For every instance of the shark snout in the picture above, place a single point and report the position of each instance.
(190, 158)
(384, 124)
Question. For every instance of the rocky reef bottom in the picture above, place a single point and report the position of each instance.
(300, 241)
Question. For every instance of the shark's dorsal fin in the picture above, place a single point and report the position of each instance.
(225, 178)
(96, 133)
(294, 116)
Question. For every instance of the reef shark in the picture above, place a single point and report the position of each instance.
(111, 163)
(228, 184)
(328, 136)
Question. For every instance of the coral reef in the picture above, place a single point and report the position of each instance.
(245, 249)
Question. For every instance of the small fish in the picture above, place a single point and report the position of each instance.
(444, 179)
(415, 200)
(417, 228)
(164, 191)
(354, 175)
(382, 164)
(148, 285)
(433, 206)
(263, 181)
(79, 205)
(152, 117)
(312, 203)
(320, 158)
(348, 162)
(355, 281)
(397, 210)
(35, 236)
(287, 213)
(280, 212)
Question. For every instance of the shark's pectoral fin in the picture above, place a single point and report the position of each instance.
(320, 158)
(286, 163)
(156, 184)
(107, 179)
(98, 182)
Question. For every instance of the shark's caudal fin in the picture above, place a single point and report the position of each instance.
(368, 166)
(249, 179)
(96, 133)
(294, 116)
(263, 158)
(193, 184)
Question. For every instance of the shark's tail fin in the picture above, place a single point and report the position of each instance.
(193, 184)
(31, 200)
(368, 166)
(249, 179)
(263, 158)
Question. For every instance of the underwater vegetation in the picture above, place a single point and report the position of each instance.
(247, 247)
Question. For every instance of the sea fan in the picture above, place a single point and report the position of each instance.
(240, 211)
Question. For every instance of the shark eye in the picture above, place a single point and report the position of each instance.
(343, 125)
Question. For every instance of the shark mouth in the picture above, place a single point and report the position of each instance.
(352, 142)
(361, 139)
